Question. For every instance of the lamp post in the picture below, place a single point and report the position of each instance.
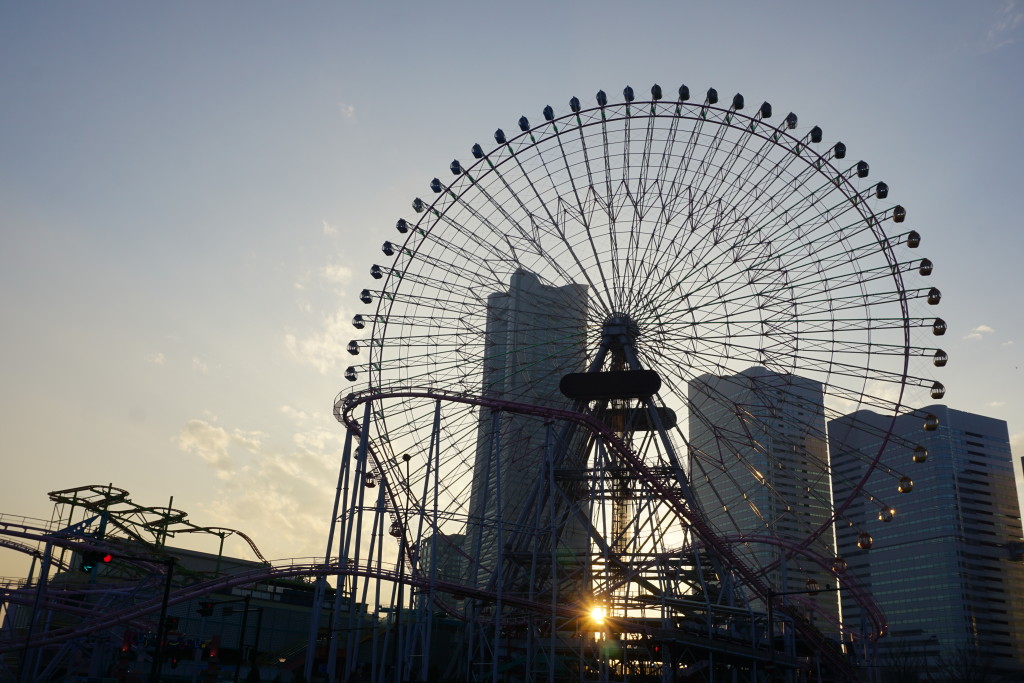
(154, 673)
(241, 637)
(254, 656)
(401, 571)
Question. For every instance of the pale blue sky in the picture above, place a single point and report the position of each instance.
(191, 196)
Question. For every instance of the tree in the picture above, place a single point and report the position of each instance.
(903, 659)
(964, 664)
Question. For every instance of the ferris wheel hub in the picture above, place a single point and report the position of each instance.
(620, 331)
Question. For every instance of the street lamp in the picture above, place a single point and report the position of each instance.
(400, 529)
(154, 673)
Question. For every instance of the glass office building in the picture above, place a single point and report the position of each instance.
(535, 335)
(946, 569)
(758, 464)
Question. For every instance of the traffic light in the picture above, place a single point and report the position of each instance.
(205, 608)
(91, 559)
(211, 649)
(127, 641)
(171, 623)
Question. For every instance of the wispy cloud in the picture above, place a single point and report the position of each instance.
(979, 332)
(329, 229)
(996, 404)
(1007, 343)
(281, 502)
(336, 274)
(298, 416)
(213, 444)
(275, 495)
(348, 111)
(200, 366)
(325, 350)
(325, 440)
(1003, 30)
(157, 358)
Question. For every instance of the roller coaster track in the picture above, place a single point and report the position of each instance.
(133, 614)
(345, 411)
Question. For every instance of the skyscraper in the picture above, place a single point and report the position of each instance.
(535, 335)
(946, 568)
(758, 464)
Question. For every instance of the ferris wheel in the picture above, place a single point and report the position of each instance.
(594, 372)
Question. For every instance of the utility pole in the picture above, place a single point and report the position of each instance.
(154, 674)
(403, 516)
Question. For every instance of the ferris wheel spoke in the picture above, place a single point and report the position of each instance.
(809, 321)
(681, 183)
(643, 203)
(824, 362)
(813, 276)
(602, 287)
(581, 213)
(731, 186)
(697, 258)
(794, 218)
(610, 202)
(760, 194)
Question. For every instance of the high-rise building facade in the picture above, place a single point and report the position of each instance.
(758, 465)
(946, 568)
(535, 335)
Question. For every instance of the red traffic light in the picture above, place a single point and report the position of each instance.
(91, 559)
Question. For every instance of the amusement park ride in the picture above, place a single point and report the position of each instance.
(585, 436)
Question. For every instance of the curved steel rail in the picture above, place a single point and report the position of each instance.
(344, 411)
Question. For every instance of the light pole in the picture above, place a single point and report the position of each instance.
(254, 656)
(401, 571)
(154, 674)
(241, 637)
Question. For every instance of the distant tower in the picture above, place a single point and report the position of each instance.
(535, 335)
(758, 463)
(946, 569)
